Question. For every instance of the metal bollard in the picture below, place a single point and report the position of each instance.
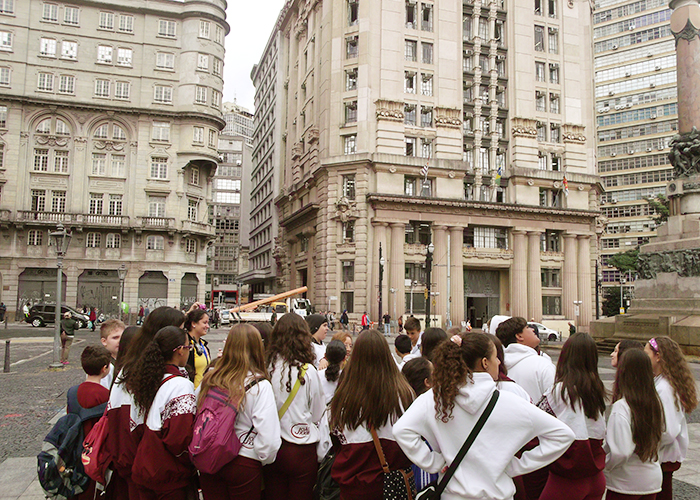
(6, 368)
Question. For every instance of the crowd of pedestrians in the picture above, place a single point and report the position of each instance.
(536, 430)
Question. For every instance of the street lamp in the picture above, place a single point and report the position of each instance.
(122, 276)
(622, 293)
(597, 291)
(428, 267)
(381, 279)
(61, 238)
(577, 312)
(413, 284)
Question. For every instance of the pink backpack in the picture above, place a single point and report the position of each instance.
(214, 440)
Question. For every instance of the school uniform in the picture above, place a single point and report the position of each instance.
(488, 467)
(258, 429)
(162, 467)
(327, 386)
(625, 473)
(674, 440)
(293, 473)
(578, 474)
(199, 359)
(532, 372)
(508, 385)
(357, 468)
(106, 381)
(319, 350)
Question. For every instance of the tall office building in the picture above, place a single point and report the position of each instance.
(103, 131)
(239, 121)
(636, 118)
(467, 126)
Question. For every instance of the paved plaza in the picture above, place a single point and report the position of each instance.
(32, 398)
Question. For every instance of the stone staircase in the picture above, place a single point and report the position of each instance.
(607, 345)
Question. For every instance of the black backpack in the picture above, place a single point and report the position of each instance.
(59, 465)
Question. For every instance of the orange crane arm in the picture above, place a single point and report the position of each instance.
(279, 297)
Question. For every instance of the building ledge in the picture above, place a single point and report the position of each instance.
(300, 214)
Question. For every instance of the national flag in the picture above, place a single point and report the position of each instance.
(424, 170)
(499, 174)
(566, 187)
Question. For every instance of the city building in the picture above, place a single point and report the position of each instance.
(102, 130)
(239, 121)
(268, 143)
(636, 117)
(228, 254)
(465, 125)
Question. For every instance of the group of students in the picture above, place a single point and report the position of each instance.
(298, 398)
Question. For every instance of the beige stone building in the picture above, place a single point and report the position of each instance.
(495, 97)
(109, 124)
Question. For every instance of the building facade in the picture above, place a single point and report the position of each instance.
(103, 131)
(636, 118)
(239, 121)
(492, 99)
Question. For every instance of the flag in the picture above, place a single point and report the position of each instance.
(566, 187)
(424, 170)
(499, 174)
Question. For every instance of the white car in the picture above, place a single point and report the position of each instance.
(224, 316)
(546, 333)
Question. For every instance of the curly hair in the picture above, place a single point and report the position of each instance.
(290, 341)
(336, 352)
(145, 378)
(194, 316)
(453, 366)
(675, 368)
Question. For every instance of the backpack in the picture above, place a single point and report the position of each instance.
(214, 440)
(59, 466)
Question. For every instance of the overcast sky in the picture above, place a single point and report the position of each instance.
(251, 24)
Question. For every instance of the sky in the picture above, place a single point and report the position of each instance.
(251, 24)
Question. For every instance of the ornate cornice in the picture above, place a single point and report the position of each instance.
(571, 133)
(524, 127)
(688, 33)
(448, 117)
(389, 110)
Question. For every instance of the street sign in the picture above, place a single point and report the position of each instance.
(333, 297)
(577, 311)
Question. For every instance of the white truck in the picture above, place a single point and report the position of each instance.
(261, 311)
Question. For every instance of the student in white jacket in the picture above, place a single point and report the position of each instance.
(241, 374)
(676, 387)
(464, 381)
(634, 431)
(532, 372)
(290, 357)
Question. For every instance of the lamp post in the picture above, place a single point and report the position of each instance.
(577, 312)
(622, 294)
(381, 280)
(413, 284)
(428, 268)
(597, 291)
(122, 276)
(61, 238)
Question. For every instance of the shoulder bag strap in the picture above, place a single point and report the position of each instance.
(467, 444)
(292, 394)
(380, 452)
(171, 376)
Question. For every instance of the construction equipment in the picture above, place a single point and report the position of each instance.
(262, 310)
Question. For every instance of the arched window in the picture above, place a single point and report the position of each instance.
(51, 150)
(109, 150)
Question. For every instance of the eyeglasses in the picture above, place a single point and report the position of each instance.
(189, 347)
(654, 346)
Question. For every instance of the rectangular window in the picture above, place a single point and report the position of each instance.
(102, 88)
(484, 29)
(411, 149)
(45, 82)
(426, 18)
(426, 148)
(118, 166)
(163, 94)
(93, 240)
(219, 34)
(409, 114)
(192, 210)
(352, 47)
(540, 71)
(166, 28)
(352, 12)
(69, 50)
(551, 278)
(411, 50)
(554, 103)
(7, 6)
(106, 21)
(5, 40)
(551, 306)
(115, 204)
(3, 116)
(124, 57)
(203, 62)
(41, 160)
(60, 162)
(541, 161)
(539, 38)
(556, 160)
(161, 131)
(426, 116)
(126, 23)
(484, 63)
(350, 144)
(165, 60)
(191, 245)
(349, 186)
(541, 132)
(555, 133)
(349, 231)
(200, 95)
(426, 84)
(104, 54)
(409, 85)
(216, 98)
(155, 243)
(35, 237)
(217, 67)
(194, 176)
(427, 53)
(553, 41)
(347, 302)
(122, 90)
(96, 201)
(5, 77)
(540, 104)
(159, 167)
(411, 15)
(538, 7)
(554, 73)
(114, 240)
(58, 201)
(38, 200)
(48, 47)
(204, 29)
(198, 135)
(66, 84)
(351, 79)
(348, 272)
(552, 8)
(71, 15)
(351, 112)
(99, 164)
(50, 13)
(212, 138)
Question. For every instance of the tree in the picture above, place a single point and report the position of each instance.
(611, 301)
(660, 206)
(624, 261)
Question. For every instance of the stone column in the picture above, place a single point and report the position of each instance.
(456, 275)
(569, 278)
(397, 270)
(440, 274)
(534, 277)
(519, 271)
(685, 21)
(379, 239)
(585, 291)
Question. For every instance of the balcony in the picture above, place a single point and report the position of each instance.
(51, 218)
(103, 220)
(155, 224)
(189, 226)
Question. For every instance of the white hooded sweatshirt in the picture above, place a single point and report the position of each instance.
(488, 467)
(674, 440)
(532, 372)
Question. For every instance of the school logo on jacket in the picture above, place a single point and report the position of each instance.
(300, 430)
(248, 441)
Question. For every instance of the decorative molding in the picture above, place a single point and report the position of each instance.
(296, 151)
(571, 133)
(109, 145)
(685, 154)
(688, 33)
(389, 110)
(448, 117)
(51, 140)
(524, 127)
(684, 262)
(312, 135)
(346, 210)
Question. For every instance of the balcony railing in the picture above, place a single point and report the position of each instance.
(157, 222)
(198, 227)
(104, 220)
(55, 217)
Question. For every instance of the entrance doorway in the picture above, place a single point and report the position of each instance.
(481, 295)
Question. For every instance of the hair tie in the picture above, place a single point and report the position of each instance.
(456, 339)
(653, 344)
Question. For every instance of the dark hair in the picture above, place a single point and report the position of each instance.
(430, 339)
(336, 353)
(416, 371)
(145, 377)
(290, 341)
(628, 344)
(453, 366)
(94, 358)
(371, 390)
(634, 381)
(265, 329)
(403, 344)
(127, 337)
(577, 371)
(502, 370)
(194, 316)
(159, 318)
(507, 330)
(412, 324)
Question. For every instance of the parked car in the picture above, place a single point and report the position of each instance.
(224, 316)
(44, 314)
(546, 333)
